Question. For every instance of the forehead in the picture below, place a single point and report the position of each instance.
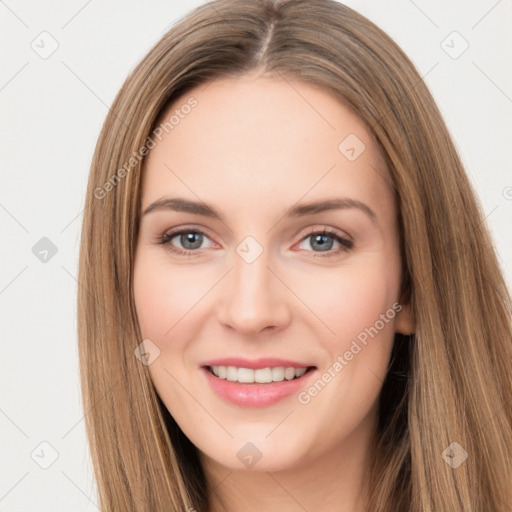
(264, 142)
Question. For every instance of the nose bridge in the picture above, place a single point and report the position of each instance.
(254, 299)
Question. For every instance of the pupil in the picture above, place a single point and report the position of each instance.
(323, 241)
(189, 238)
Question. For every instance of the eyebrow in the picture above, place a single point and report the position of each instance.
(178, 204)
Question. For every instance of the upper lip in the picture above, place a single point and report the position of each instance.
(255, 364)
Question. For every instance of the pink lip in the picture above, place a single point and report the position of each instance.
(255, 395)
(255, 364)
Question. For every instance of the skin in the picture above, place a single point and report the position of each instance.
(253, 147)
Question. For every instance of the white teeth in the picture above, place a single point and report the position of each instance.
(278, 374)
(289, 373)
(231, 373)
(299, 372)
(245, 375)
(261, 376)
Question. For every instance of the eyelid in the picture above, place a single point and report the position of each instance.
(319, 228)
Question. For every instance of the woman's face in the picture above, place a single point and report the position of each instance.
(261, 288)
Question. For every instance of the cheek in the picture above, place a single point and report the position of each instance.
(164, 294)
(352, 298)
(359, 303)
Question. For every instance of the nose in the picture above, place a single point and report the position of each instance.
(253, 299)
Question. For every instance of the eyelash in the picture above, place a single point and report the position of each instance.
(346, 243)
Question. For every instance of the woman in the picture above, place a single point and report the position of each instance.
(289, 299)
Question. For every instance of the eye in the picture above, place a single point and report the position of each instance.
(321, 242)
(190, 239)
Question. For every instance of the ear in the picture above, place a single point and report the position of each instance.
(404, 322)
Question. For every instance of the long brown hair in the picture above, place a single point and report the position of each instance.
(449, 382)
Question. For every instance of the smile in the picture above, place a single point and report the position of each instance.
(256, 383)
(259, 376)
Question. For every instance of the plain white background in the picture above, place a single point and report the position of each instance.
(52, 112)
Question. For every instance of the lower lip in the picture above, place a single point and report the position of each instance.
(255, 395)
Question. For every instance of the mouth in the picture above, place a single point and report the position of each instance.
(268, 381)
(266, 375)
